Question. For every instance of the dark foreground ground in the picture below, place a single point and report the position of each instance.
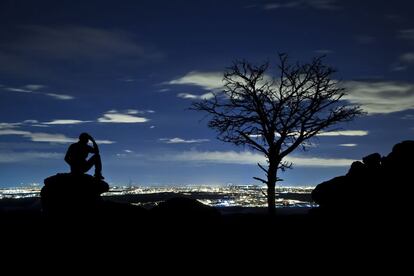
(117, 217)
(124, 235)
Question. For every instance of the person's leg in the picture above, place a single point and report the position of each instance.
(95, 160)
(77, 169)
(88, 164)
(98, 165)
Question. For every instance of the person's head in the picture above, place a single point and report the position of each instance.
(84, 138)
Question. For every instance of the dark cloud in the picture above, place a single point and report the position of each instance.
(406, 34)
(82, 42)
(33, 89)
(45, 48)
(315, 4)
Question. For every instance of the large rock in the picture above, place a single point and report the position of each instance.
(375, 183)
(70, 193)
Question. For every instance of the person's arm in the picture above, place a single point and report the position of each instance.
(95, 148)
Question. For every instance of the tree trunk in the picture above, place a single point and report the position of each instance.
(271, 187)
(271, 198)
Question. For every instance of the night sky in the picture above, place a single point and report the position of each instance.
(127, 71)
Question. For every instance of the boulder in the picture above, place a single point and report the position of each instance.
(371, 184)
(372, 161)
(66, 192)
(331, 193)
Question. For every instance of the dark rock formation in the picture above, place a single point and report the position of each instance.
(70, 193)
(375, 183)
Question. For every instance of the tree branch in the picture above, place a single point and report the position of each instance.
(261, 180)
(260, 166)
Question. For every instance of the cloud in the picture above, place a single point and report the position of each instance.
(33, 123)
(250, 158)
(404, 61)
(381, 97)
(80, 42)
(324, 4)
(45, 50)
(405, 117)
(221, 157)
(314, 4)
(398, 67)
(119, 117)
(46, 137)
(348, 145)
(206, 80)
(128, 79)
(326, 133)
(60, 96)
(177, 140)
(132, 111)
(319, 162)
(256, 136)
(127, 153)
(17, 157)
(33, 89)
(324, 51)
(66, 122)
(36, 123)
(407, 34)
(407, 58)
(39, 136)
(136, 157)
(272, 6)
(19, 90)
(9, 125)
(206, 96)
(345, 133)
(111, 116)
(30, 121)
(365, 39)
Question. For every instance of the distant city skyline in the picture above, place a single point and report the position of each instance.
(126, 72)
(220, 196)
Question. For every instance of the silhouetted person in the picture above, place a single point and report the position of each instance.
(77, 155)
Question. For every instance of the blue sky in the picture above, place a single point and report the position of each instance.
(127, 72)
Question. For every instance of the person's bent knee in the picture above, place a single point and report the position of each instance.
(95, 156)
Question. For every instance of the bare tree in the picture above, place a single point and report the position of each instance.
(276, 115)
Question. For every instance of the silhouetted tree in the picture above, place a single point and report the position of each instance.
(276, 115)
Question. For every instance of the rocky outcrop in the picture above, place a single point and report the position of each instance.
(375, 182)
(70, 193)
